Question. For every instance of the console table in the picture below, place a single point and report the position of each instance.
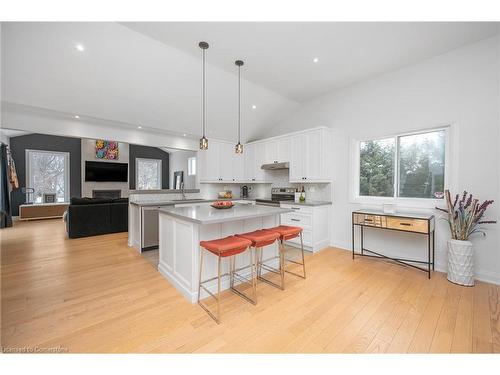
(42, 211)
(402, 222)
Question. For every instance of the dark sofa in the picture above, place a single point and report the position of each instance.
(94, 216)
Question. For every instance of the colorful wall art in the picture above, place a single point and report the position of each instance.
(106, 149)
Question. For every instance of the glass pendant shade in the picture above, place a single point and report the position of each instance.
(203, 143)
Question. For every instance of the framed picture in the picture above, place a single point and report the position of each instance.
(108, 150)
(178, 179)
(49, 198)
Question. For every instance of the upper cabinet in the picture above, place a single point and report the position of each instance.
(307, 152)
(220, 163)
(309, 161)
(277, 150)
(254, 156)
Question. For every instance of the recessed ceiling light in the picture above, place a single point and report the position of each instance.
(139, 127)
(254, 106)
(76, 116)
(80, 47)
(315, 60)
(184, 134)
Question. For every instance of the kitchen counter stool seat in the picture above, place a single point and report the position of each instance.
(288, 232)
(259, 239)
(227, 247)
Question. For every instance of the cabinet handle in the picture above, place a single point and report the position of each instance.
(406, 224)
(295, 219)
(370, 220)
(295, 208)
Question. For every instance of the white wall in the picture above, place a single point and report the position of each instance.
(459, 87)
(88, 153)
(178, 161)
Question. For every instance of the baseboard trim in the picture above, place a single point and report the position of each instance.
(484, 276)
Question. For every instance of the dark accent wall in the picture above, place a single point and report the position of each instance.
(147, 152)
(18, 147)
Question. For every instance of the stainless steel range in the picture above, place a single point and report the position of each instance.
(278, 195)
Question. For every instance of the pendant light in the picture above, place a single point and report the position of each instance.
(203, 140)
(239, 147)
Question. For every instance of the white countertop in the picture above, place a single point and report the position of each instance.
(209, 215)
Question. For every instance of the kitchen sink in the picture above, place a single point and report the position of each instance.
(188, 200)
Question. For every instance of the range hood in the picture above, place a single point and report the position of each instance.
(283, 165)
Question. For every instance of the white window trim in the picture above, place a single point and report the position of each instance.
(196, 166)
(67, 176)
(137, 160)
(450, 171)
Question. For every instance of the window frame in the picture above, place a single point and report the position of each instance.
(67, 171)
(159, 169)
(189, 166)
(449, 169)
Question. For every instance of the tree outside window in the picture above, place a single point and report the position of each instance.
(420, 166)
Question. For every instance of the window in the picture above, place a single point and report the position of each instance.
(192, 166)
(48, 173)
(406, 166)
(148, 174)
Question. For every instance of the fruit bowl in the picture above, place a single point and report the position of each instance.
(222, 204)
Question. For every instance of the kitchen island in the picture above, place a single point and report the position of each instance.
(182, 228)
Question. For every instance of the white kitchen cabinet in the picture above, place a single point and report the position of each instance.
(309, 160)
(254, 156)
(220, 163)
(315, 224)
(277, 150)
(307, 152)
(209, 163)
(238, 166)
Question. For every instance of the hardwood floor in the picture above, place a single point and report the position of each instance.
(98, 295)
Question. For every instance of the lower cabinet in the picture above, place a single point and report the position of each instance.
(315, 224)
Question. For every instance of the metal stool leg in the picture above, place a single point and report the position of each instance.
(199, 279)
(279, 271)
(218, 288)
(282, 264)
(303, 264)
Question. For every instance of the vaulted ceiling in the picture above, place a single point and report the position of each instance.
(149, 74)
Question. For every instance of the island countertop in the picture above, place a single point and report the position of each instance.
(209, 215)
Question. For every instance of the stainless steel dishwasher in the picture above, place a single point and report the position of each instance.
(149, 231)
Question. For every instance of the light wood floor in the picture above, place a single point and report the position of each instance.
(98, 295)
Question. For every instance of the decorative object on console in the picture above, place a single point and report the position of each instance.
(106, 149)
(464, 216)
(239, 147)
(49, 198)
(203, 140)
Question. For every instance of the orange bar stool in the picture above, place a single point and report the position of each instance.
(224, 248)
(259, 239)
(286, 233)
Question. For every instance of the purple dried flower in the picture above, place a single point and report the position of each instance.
(456, 200)
(487, 222)
(469, 201)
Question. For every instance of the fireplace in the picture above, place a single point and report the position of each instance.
(107, 194)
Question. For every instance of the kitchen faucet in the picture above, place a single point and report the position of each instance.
(182, 191)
